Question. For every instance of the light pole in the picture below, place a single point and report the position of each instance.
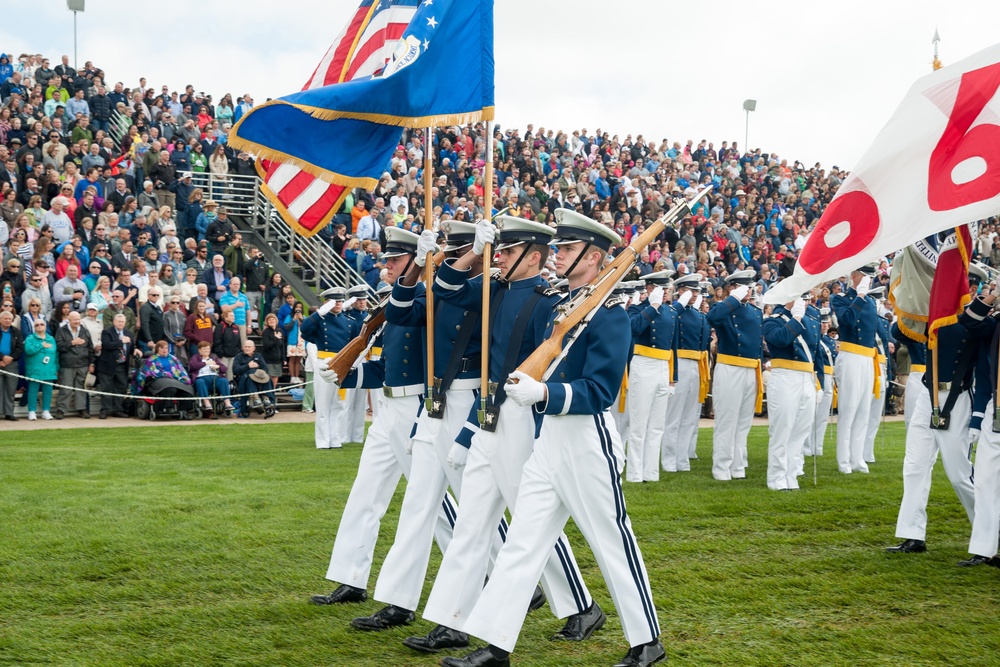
(75, 6)
(748, 106)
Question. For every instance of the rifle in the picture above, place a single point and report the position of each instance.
(590, 297)
(348, 354)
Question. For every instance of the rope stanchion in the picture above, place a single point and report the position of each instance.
(94, 392)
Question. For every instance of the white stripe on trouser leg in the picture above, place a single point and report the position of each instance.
(331, 413)
(986, 524)
(490, 483)
(648, 381)
(855, 376)
(383, 461)
(401, 579)
(734, 392)
(914, 386)
(791, 403)
(875, 419)
(681, 407)
(572, 472)
(922, 446)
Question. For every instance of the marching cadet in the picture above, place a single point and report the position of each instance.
(986, 523)
(857, 369)
(828, 357)
(693, 375)
(520, 305)
(878, 397)
(357, 399)
(399, 373)
(946, 429)
(793, 339)
(574, 471)
(737, 388)
(623, 295)
(330, 329)
(652, 375)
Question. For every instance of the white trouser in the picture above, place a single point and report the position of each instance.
(648, 380)
(914, 387)
(357, 407)
(331, 414)
(575, 471)
(621, 418)
(875, 418)
(401, 579)
(383, 461)
(855, 376)
(791, 408)
(695, 418)
(822, 420)
(734, 392)
(986, 524)
(922, 446)
(682, 417)
(490, 483)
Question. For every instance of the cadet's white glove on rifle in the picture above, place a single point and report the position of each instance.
(425, 244)
(739, 292)
(329, 375)
(527, 391)
(485, 233)
(685, 299)
(457, 456)
(655, 297)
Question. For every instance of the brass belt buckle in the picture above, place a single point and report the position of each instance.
(387, 391)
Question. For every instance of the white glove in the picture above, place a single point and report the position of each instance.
(697, 302)
(425, 244)
(739, 292)
(636, 297)
(485, 233)
(329, 375)
(799, 309)
(326, 308)
(819, 394)
(671, 390)
(685, 299)
(863, 287)
(527, 391)
(408, 446)
(973, 435)
(350, 302)
(457, 456)
(655, 297)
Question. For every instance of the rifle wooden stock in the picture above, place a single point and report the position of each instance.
(348, 354)
(594, 294)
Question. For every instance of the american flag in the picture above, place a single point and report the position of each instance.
(306, 202)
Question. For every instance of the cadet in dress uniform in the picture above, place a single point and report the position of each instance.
(828, 357)
(574, 471)
(330, 329)
(357, 399)
(793, 339)
(652, 375)
(737, 388)
(918, 366)
(856, 370)
(520, 305)
(375, 351)
(399, 373)
(693, 376)
(959, 345)
(878, 398)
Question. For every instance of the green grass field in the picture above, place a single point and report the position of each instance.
(201, 546)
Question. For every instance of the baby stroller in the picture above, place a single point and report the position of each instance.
(166, 388)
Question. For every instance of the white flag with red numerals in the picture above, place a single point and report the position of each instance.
(935, 165)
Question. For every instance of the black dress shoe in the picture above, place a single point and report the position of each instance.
(120, 415)
(387, 617)
(84, 414)
(343, 594)
(974, 561)
(537, 600)
(580, 626)
(641, 656)
(908, 547)
(57, 415)
(480, 658)
(102, 415)
(438, 639)
(10, 418)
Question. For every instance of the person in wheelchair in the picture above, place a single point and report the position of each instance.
(163, 375)
(209, 375)
(250, 372)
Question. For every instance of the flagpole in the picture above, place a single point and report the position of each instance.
(484, 385)
(429, 268)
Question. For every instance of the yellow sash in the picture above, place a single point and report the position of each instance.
(918, 368)
(704, 375)
(622, 395)
(743, 362)
(656, 353)
(803, 366)
(874, 355)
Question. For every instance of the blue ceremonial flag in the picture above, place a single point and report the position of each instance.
(440, 73)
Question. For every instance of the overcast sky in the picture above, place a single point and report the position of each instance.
(826, 76)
